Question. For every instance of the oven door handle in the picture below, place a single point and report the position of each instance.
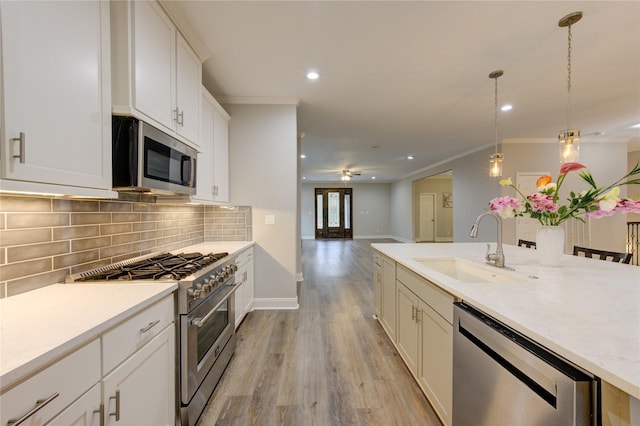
(199, 322)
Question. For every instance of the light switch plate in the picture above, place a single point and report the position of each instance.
(269, 219)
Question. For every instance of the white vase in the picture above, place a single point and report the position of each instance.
(550, 245)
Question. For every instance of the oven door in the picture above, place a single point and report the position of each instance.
(204, 332)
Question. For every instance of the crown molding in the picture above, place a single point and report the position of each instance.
(258, 100)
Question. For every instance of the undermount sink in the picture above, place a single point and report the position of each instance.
(467, 271)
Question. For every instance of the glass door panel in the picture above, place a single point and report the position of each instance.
(334, 213)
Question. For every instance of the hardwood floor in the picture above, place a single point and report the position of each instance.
(328, 363)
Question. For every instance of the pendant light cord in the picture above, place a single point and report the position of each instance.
(496, 114)
(569, 78)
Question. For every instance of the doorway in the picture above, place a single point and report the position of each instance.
(334, 213)
(432, 205)
(427, 217)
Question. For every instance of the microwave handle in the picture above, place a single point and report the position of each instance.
(188, 169)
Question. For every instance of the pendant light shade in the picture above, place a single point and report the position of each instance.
(569, 139)
(495, 160)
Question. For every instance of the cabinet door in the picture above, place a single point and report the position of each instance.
(436, 363)
(84, 412)
(408, 326)
(144, 385)
(154, 55)
(249, 285)
(377, 289)
(188, 86)
(57, 85)
(204, 166)
(220, 156)
(389, 297)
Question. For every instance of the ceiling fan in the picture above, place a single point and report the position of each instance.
(348, 174)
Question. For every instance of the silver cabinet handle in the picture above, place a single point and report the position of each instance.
(413, 312)
(175, 115)
(117, 398)
(21, 140)
(149, 327)
(101, 412)
(181, 118)
(40, 403)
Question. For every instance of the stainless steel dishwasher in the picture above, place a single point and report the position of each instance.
(501, 377)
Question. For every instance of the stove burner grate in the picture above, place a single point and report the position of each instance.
(165, 266)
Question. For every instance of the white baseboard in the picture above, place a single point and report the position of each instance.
(402, 240)
(266, 304)
(444, 239)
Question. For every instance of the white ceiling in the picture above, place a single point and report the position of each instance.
(411, 78)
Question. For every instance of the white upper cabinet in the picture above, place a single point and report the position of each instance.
(56, 116)
(204, 165)
(212, 180)
(188, 84)
(157, 76)
(154, 38)
(220, 155)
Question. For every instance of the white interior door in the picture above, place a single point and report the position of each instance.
(427, 217)
(525, 226)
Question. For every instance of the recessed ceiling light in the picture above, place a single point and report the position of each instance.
(506, 107)
(409, 157)
(313, 75)
(304, 177)
(636, 126)
(303, 156)
(373, 177)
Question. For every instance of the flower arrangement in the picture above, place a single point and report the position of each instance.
(543, 205)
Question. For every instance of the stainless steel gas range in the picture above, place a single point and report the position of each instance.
(205, 316)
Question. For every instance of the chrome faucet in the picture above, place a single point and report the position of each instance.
(497, 258)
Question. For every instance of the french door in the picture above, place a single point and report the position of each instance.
(334, 213)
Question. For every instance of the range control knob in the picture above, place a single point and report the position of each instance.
(196, 293)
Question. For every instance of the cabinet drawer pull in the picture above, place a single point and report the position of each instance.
(117, 398)
(40, 403)
(20, 140)
(101, 412)
(149, 327)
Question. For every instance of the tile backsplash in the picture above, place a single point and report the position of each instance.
(43, 239)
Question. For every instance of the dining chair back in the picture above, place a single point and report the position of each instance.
(527, 244)
(612, 256)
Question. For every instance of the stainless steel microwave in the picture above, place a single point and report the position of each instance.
(148, 160)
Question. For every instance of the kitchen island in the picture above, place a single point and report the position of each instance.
(587, 310)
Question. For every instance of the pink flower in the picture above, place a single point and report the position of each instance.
(569, 167)
(628, 206)
(507, 206)
(542, 202)
(597, 214)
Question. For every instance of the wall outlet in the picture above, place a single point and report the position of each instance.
(270, 219)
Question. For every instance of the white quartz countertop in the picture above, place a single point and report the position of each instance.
(40, 326)
(587, 310)
(231, 247)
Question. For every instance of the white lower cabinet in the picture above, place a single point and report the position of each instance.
(86, 411)
(244, 279)
(424, 335)
(83, 389)
(377, 284)
(388, 318)
(141, 390)
(39, 398)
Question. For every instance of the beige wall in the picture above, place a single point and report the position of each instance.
(444, 215)
(44, 239)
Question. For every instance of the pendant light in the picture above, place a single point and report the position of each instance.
(569, 139)
(495, 160)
